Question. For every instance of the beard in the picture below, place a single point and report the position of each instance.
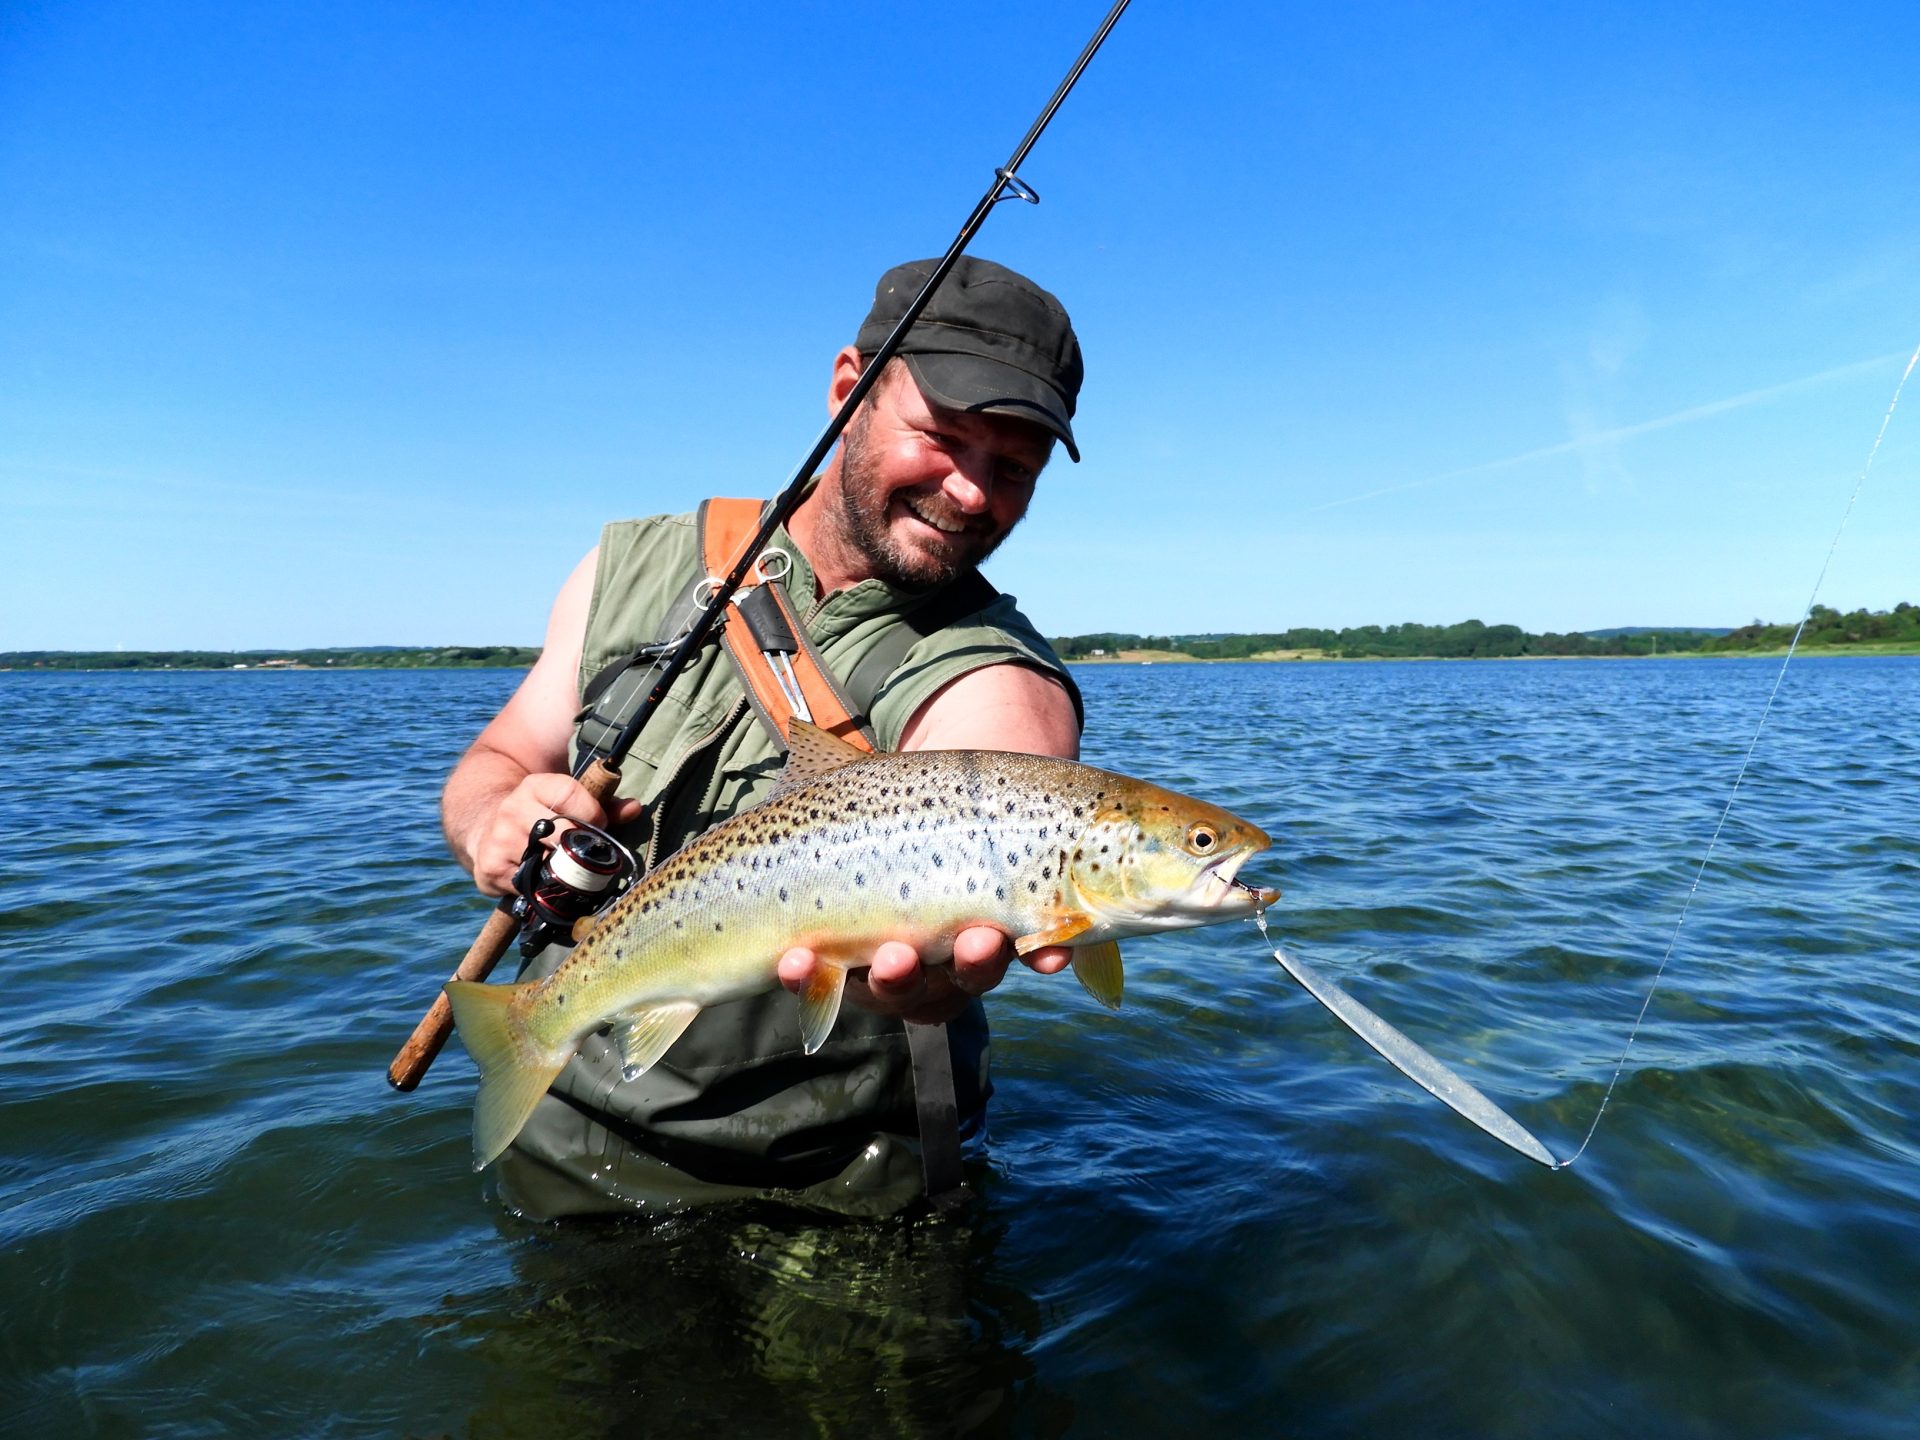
(866, 528)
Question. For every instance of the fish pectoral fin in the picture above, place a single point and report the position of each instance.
(1065, 928)
(1098, 969)
(820, 1004)
(645, 1035)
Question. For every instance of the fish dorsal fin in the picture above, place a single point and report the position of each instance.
(1097, 968)
(645, 1035)
(813, 752)
(820, 1004)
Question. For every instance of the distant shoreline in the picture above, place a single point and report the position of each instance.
(65, 665)
(1825, 631)
(1174, 657)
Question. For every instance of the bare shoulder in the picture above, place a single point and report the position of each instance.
(997, 707)
(537, 722)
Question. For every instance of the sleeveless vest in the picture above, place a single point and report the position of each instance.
(736, 1101)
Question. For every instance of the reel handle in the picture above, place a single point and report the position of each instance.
(493, 941)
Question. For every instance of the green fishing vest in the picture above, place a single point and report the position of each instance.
(736, 1105)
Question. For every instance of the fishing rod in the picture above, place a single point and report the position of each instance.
(589, 863)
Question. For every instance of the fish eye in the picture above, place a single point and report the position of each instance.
(1202, 838)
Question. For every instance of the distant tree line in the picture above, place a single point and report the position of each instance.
(1469, 640)
(1473, 640)
(374, 657)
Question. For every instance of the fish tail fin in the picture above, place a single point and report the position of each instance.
(514, 1071)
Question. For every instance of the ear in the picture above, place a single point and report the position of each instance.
(846, 372)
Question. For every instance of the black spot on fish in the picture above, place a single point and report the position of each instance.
(1033, 887)
(999, 892)
(905, 890)
(783, 894)
(718, 928)
(1046, 872)
(859, 879)
(972, 885)
(937, 861)
(819, 903)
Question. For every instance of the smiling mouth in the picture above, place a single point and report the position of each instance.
(953, 527)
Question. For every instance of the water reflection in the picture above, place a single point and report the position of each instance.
(754, 1319)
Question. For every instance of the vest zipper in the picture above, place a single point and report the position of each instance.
(663, 795)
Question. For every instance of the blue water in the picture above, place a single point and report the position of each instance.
(224, 902)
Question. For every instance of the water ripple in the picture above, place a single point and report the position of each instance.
(1215, 1211)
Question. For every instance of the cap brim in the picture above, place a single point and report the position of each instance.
(977, 385)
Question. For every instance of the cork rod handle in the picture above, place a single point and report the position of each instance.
(430, 1035)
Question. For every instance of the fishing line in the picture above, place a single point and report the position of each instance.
(1745, 763)
(1440, 1081)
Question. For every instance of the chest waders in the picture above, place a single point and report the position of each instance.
(783, 675)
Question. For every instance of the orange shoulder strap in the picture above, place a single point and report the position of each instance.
(764, 636)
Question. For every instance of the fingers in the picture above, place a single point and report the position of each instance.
(981, 955)
(796, 968)
(1049, 960)
(538, 797)
(897, 983)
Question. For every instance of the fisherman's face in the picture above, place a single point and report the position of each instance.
(928, 493)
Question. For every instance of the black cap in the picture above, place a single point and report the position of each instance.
(989, 340)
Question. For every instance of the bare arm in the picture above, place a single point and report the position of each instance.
(1000, 707)
(515, 772)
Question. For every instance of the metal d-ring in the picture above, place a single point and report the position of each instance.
(767, 568)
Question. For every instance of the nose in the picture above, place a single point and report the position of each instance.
(970, 483)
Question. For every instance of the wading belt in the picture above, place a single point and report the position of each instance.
(784, 676)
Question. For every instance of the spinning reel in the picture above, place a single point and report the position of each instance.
(558, 886)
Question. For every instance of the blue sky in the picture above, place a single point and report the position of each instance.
(350, 324)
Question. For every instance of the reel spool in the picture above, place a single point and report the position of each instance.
(581, 874)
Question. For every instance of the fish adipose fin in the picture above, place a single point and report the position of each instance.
(1097, 968)
(1065, 928)
(812, 752)
(513, 1073)
(820, 1004)
(645, 1035)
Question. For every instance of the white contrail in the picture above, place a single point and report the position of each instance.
(1619, 433)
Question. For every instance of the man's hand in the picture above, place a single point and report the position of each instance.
(497, 840)
(898, 984)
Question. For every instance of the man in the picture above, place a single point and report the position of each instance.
(933, 472)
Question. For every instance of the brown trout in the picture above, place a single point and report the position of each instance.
(850, 851)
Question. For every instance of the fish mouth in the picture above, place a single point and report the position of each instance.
(1226, 888)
